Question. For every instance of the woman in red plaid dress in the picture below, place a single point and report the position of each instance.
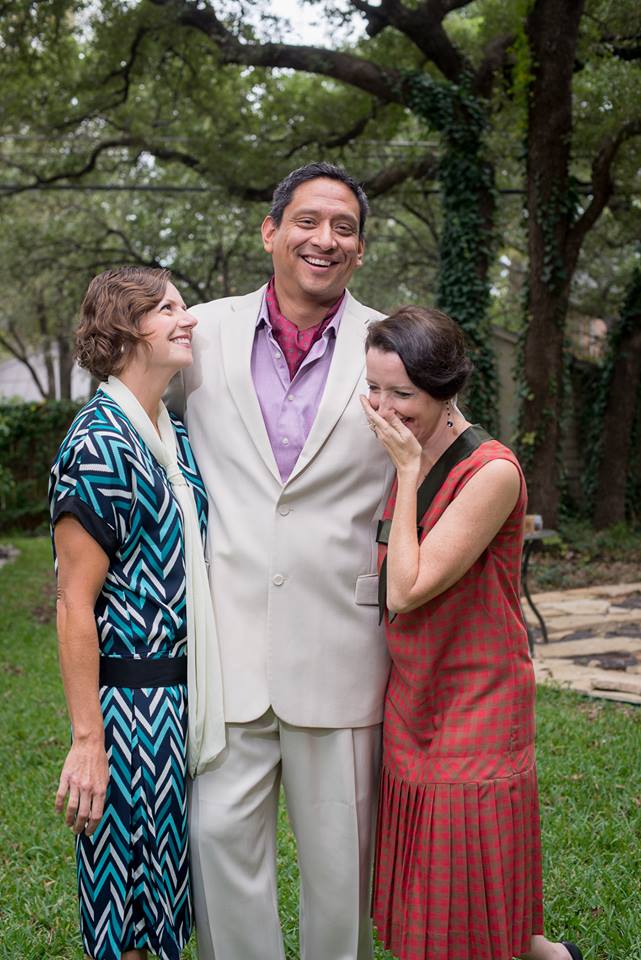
(458, 853)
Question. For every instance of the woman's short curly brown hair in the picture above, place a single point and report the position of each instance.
(110, 315)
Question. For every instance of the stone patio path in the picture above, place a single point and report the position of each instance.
(595, 640)
(8, 553)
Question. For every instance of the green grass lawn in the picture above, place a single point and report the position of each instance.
(589, 765)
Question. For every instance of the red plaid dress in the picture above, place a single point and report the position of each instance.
(458, 856)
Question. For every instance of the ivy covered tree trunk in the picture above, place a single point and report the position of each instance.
(467, 240)
(464, 289)
(621, 387)
(552, 32)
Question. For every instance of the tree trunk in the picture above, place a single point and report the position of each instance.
(18, 349)
(467, 239)
(618, 419)
(552, 30)
(65, 366)
(43, 326)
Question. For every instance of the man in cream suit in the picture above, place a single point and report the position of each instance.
(297, 483)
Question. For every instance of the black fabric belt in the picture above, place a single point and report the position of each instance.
(157, 672)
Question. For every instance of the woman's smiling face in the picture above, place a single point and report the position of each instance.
(392, 391)
(168, 328)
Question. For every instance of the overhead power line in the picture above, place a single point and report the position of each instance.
(103, 187)
(16, 188)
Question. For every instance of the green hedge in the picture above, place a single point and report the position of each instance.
(30, 434)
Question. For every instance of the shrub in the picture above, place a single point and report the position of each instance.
(30, 434)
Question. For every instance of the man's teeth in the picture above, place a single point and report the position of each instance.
(318, 263)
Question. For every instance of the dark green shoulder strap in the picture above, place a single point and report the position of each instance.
(463, 446)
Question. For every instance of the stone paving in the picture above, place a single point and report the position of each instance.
(595, 640)
(7, 553)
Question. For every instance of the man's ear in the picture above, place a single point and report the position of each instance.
(361, 252)
(268, 229)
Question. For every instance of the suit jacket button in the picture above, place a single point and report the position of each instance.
(278, 580)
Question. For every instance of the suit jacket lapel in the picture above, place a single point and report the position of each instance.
(237, 332)
(345, 372)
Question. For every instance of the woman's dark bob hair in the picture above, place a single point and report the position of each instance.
(431, 346)
(110, 315)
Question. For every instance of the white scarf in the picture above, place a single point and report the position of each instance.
(204, 677)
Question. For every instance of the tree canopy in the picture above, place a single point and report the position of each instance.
(497, 141)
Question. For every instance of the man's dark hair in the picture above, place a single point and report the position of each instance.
(312, 171)
(431, 346)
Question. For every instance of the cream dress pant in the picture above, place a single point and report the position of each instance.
(330, 779)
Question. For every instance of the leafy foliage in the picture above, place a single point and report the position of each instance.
(207, 104)
(30, 434)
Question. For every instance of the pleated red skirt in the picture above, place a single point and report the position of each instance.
(458, 868)
(458, 849)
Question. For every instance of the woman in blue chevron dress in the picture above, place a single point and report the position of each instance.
(125, 596)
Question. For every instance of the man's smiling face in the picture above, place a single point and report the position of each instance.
(316, 247)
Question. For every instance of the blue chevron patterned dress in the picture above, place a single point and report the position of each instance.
(133, 873)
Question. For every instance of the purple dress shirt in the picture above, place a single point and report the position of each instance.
(289, 406)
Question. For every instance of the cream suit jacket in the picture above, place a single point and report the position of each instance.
(292, 566)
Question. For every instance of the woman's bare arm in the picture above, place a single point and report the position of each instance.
(82, 568)
(468, 525)
(416, 574)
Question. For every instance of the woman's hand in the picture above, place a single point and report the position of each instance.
(402, 446)
(84, 778)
